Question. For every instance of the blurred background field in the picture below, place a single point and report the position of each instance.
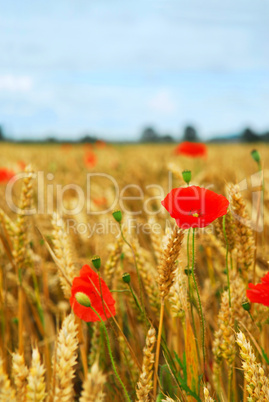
(141, 171)
(141, 165)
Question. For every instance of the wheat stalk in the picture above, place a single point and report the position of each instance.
(111, 264)
(63, 253)
(93, 385)
(19, 374)
(167, 266)
(36, 387)
(229, 229)
(257, 383)
(207, 397)
(243, 234)
(177, 297)
(149, 277)
(224, 341)
(166, 278)
(7, 393)
(144, 385)
(66, 356)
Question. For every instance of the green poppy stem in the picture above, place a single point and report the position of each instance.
(198, 296)
(137, 271)
(135, 299)
(158, 348)
(259, 206)
(111, 356)
(190, 294)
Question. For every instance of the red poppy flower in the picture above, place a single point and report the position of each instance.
(259, 293)
(90, 159)
(6, 175)
(88, 284)
(195, 206)
(192, 149)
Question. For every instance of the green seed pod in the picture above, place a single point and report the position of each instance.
(256, 155)
(117, 215)
(186, 174)
(96, 262)
(246, 305)
(126, 277)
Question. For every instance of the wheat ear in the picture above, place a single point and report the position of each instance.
(63, 252)
(93, 385)
(144, 385)
(257, 383)
(19, 373)
(36, 387)
(7, 393)
(207, 397)
(66, 356)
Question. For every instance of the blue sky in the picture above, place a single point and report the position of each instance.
(112, 67)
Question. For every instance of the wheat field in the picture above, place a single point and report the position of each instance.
(57, 214)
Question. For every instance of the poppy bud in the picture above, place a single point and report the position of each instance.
(186, 174)
(126, 277)
(187, 271)
(83, 299)
(96, 262)
(246, 305)
(256, 155)
(117, 215)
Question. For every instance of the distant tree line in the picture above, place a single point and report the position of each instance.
(150, 134)
(190, 134)
(249, 135)
(1, 134)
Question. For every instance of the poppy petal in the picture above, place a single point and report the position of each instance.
(259, 293)
(191, 149)
(194, 206)
(89, 284)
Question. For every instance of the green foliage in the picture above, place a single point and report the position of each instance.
(176, 375)
(265, 356)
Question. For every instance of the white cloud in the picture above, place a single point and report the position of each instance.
(13, 83)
